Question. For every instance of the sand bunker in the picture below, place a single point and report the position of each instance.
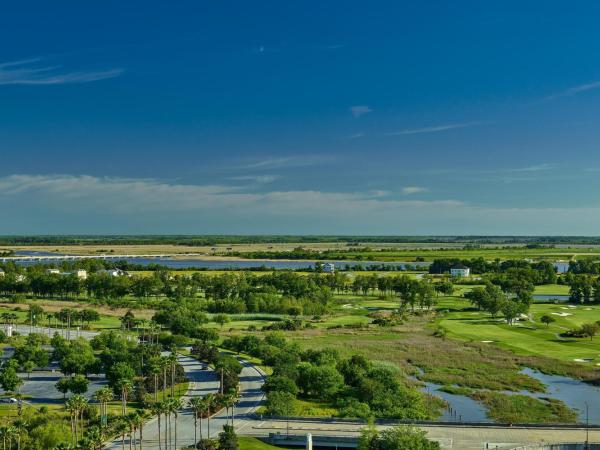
(487, 342)
(562, 314)
(585, 360)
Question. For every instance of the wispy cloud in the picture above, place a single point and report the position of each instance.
(126, 196)
(32, 72)
(408, 190)
(360, 110)
(285, 162)
(258, 179)
(574, 90)
(433, 129)
(534, 168)
(355, 135)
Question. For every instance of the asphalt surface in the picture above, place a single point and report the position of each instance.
(202, 382)
(246, 422)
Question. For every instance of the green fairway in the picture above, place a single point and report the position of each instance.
(530, 336)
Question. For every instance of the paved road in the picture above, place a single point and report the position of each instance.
(246, 423)
(204, 382)
(456, 438)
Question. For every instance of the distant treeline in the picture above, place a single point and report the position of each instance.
(203, 240)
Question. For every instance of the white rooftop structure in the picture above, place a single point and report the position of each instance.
(329, 267)
(460, 271)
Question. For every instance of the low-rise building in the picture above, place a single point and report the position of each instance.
(460, 271)
(112, 272)
(80, 273)
(53, 271)
(328, 267)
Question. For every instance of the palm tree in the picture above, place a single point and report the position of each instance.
(155, 369)
(125, 386)
(164, 363)
(197, 405)
(139, 419)
(93, 438)
(11, 432)
(175, 406)
(71, 407)
(76, 408)
(20, 427)
(3, 433)
(103, 396)
(231, 398)
(210, 401)
(157, 410)
(121, 429)
(172, 358)
(131, 423)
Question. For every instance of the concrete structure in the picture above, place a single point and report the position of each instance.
(53, 271)
(328, 267)
(460, 271)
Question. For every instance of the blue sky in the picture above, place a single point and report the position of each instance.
(329, 117)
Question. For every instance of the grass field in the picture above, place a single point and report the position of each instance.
(251, 443)
(375, 251)
(527, 337)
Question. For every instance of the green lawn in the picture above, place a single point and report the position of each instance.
(251, 443)
(528, 337)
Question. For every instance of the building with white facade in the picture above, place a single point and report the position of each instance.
(328, 267)
(460, 271)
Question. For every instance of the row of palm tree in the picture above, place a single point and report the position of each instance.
(13, 432)
(205, 407)
(167, 408)
(76, 406)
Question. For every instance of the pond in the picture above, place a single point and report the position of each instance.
(460, 407)
(573, 392)
(550, 298)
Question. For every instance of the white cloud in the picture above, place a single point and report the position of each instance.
(433, 129)
(534, 168)
(285, 162)
(28, 72)
(360, 110)
(259, 179)
(413, 190)
(133, 196)
(574, 90)
(88, 204)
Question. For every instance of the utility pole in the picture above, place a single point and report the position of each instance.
(587, 426)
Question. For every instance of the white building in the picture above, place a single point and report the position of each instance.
(53, 271)
(1, 273)
(460, 271)
(80, 273)
(112, 272)
(328, 267)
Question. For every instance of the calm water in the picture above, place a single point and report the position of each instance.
(233, 264)
(460, 407)
(549, 298)
(573, 392)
